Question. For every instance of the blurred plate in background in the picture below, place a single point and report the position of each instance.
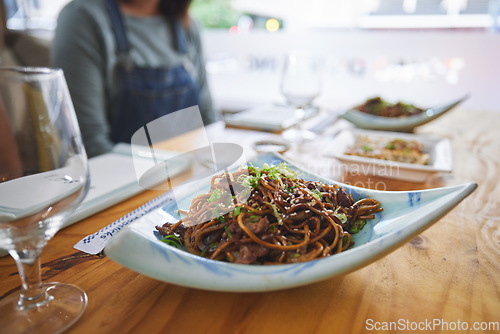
(439, 150)
(408, 123)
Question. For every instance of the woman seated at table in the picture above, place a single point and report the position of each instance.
(127, 63)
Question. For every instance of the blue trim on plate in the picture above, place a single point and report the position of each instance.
(414, 198)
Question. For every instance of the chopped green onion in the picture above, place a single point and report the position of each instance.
(341, 216)
(172, 240)
(357, 226)
(254, 219)
(212, 245)
(216, 194)
(228, 233)
(237, 211)
(316, 194)
(276, 213)
(274, 172)
(344, 240)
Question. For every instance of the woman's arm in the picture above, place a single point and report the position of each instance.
(79, 49)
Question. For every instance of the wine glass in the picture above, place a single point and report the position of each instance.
(300, 84)
(43, 178)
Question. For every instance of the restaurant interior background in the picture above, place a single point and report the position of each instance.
(422, 51)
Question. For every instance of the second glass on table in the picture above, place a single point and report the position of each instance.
(301, 83)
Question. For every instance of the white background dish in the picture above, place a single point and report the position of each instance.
(438, 148)
(373, 122)
(405, 215)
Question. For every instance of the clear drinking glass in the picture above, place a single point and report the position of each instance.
(300, 84)
(43, 178)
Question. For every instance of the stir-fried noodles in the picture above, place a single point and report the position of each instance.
(267, 216)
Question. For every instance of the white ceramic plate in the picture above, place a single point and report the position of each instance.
(438, 148)
(373, 122)
(405, 215)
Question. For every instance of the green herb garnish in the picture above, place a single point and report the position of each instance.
(237, 211)
(274, 172)
(357, 226)
(341, 216)
(276, 213)
(173, 241)
(344, 240)
(216, 194)
(227, 231)
(213, 246)
(254, 219)
(367, 148)
(316, 194)
(280, 169)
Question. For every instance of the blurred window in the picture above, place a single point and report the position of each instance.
(272, 15)
(33, 14)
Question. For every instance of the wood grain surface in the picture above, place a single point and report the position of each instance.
(449, 274)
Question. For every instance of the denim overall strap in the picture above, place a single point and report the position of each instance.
(119, 31)
(181, 38)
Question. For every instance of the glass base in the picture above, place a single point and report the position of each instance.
(63, 307)
(298, 136)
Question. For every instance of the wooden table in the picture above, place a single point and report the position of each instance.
(450, 273)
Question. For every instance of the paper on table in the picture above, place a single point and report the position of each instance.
(267, 117)
(114, 179)
(31, 194)
(95, 243)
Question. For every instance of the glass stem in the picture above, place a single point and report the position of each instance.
(299, 115)
(28, 264)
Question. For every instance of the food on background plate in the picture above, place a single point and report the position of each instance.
(396, 149)
(379, 107)
(270, 216)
